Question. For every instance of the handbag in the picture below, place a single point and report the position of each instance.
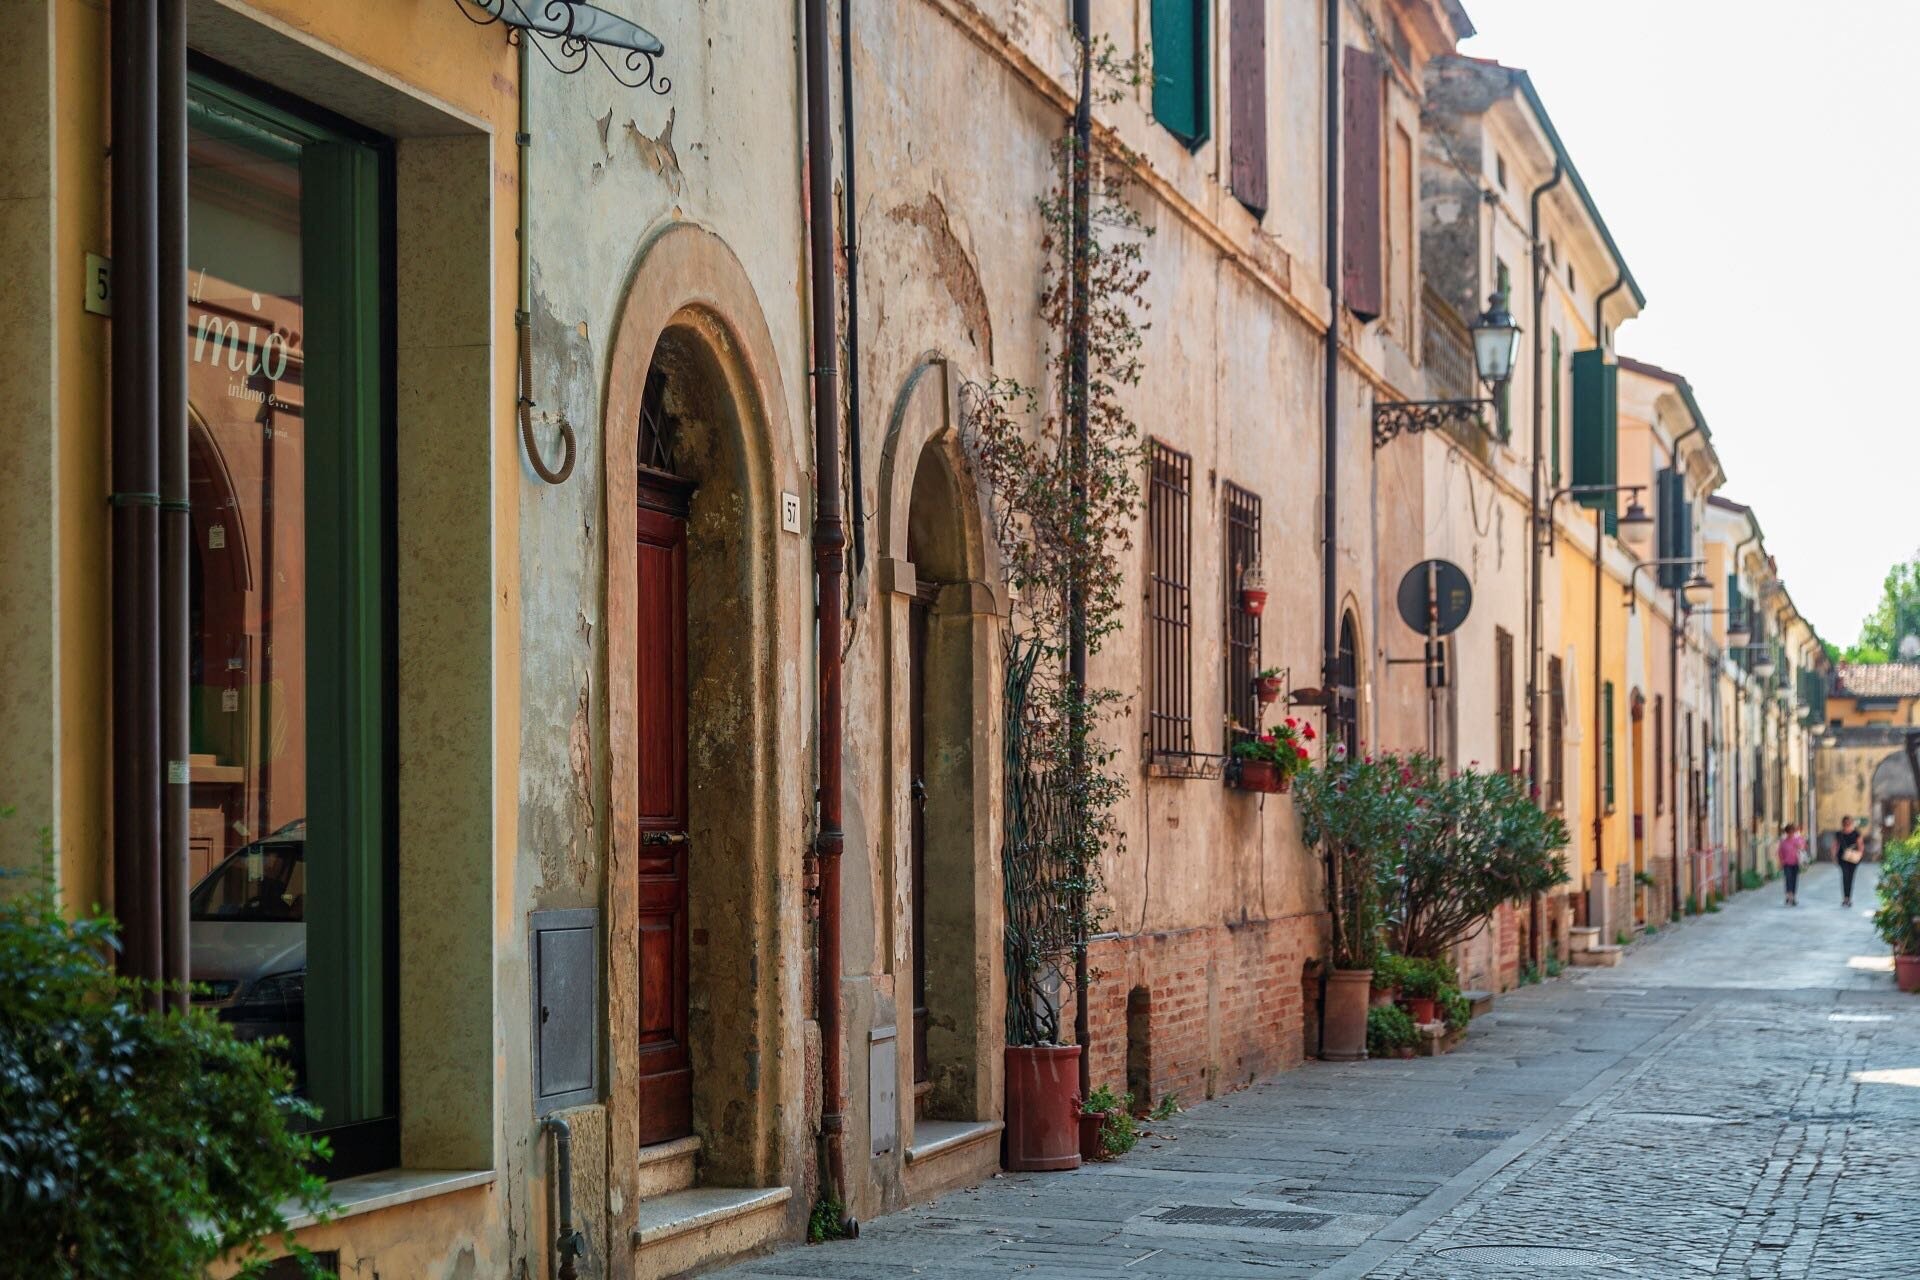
(1854, 853)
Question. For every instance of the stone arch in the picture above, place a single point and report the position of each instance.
(941, 610)
(1893, 793)
(691, 319)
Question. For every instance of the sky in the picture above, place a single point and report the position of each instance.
(1754, 160)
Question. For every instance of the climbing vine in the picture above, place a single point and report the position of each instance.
(1063, 506)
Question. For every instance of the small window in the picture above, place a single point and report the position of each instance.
(1500, 170)
(1570, 282)
(1553, 250)
(1242, 548)
(1503, 696)
(1182, 66)
(1169, 603)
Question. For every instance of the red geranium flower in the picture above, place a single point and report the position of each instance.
(1302, 752)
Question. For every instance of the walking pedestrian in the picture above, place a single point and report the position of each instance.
(1792, 845)
(1846, 852)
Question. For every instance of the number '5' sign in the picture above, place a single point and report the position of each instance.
(99, 285)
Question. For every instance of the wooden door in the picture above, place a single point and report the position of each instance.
(917, 789)
(660, 805)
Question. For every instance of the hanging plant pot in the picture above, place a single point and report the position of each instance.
(1263, 776)
(1043, 1103)
(1253, 601)
(1267, 687)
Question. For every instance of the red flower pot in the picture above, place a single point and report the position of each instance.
(1268, 687)
(1092, 1145)
(1253, 601)
(1420, 1008)
(1405, 1051)
(1263, 775)
(1043, 1088)
(1906, 972)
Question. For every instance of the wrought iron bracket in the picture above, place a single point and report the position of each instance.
(567, 33)
(1411, 417)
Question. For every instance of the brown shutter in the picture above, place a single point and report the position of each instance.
(1360, 226)
(1247, 102)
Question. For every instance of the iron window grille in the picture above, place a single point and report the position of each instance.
(1606, 747)
(1242, 629)
(1556, 735)
(1346, 691)
(1169, 604)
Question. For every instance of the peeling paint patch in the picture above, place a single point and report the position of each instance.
(952, 266)
(657, 153)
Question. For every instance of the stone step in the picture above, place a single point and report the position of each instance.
(667, 1167)
(1479, 1002)
(682, 1230)
(1584, 938)
(1602, 957)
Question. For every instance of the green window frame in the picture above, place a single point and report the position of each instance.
(346, 260)
(1183, 69)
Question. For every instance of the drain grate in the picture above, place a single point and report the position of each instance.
(1208, 1215)
(1543, 1256)
(1485, 1135)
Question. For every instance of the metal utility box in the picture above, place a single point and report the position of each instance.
(563, 950)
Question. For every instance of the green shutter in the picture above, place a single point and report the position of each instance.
(1596, 427)
(1674, 518)
(1813, 697)
(347, 771)
(1607, 743)
(1181, 68)
(1556, 411)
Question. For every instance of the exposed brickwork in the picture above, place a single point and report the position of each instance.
(1225, 1003)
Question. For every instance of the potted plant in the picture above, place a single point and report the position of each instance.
(1266, 686)
(1269, 762)
(1897, 919)
(1107, 1126)
(1389, 971)
(1253, 590)
(1390, 1033)
(1420, 988)
(1361, 812)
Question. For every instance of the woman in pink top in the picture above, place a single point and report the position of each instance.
(1792, 845)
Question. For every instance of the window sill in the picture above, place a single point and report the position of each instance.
(371, 1192)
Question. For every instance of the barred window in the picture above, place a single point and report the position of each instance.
(1242, 629)
(1503, 695)
(1556, 735)
(1346, 690)
(1606, 742)
(1169, 602)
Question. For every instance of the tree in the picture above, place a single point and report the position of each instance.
(1894, 620)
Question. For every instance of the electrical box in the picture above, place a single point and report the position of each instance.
(563, 950)
(883, 1089)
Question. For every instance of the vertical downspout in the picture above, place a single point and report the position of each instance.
(1600, 751)
(1330, 421)
(135, 483)
(1753, 615)
(176, 522)
(1536, 912)
(851, 247)
(1077, 396)
(829, 550)
(1673, 678)
(1600, 307)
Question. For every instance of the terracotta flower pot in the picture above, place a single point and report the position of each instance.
(1381, 997)
(1043, 1087)
(1420, 1008)
(1906, 972)
(1092, 1145)
(1344, 1036)
(1264, 776)
(1268, 689)
(1405, 1051)
(1253, 601)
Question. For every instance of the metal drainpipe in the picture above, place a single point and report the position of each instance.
(1753, 616)
(176, 520)
(568, 1243)
(523, 314)
(1536, 908)
(1599, 310)
(1077, 395)
(851, 247)
(1599, 711)
(1330, 424)
(1673, 679)
(829, 552)
(135, 485)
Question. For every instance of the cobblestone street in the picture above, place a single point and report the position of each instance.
(1740, 1097)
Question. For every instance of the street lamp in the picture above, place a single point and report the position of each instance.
(1636, 526)
(1697, 587)
(1496, 341)
(1762, 661)
(1739, 630)
(1688, 590)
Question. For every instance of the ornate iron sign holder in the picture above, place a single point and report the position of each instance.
(1411, 417)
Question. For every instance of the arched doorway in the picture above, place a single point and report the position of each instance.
(1894, 797)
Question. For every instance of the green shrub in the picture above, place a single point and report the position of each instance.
(1455, 1008)
(827, 1220)
(1899, 897)
(1693, 905)
(1528, 974)
(1389, 1028)
(135, 1144)
(1167, 1108)
(1427, 978)
(1652, 928)
(1118, 1132)
(1622, 938)
(1751, 879)
(1554, 967)
(1644, 879)
(1390, 972)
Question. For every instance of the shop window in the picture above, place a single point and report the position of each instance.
(1242, 628)
(1169, 604)
(1182, 66)
(288, 345)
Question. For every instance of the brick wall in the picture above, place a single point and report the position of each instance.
(1222, 1006)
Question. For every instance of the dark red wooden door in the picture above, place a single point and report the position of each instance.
(660, 805)
(917, 769)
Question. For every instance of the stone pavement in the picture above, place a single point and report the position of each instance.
(1740, 1097)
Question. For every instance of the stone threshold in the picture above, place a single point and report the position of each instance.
(662, 1151)
(372, 1192)
(933, 1138)
(678, 1212)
